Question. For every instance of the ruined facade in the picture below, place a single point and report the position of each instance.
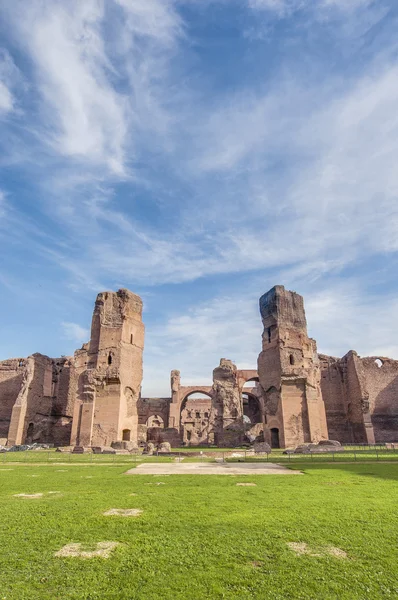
(294, 396)
(289, 372)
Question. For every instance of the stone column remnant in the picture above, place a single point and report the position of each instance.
(227, 409)
(289, 372)
(108, 389)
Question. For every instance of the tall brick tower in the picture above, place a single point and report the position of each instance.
(289, 372)
(109, 387)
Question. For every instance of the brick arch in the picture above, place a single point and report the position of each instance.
(245, 375)
(185, 391)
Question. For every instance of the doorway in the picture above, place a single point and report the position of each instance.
(275, 437)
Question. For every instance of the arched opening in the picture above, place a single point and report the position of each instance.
(252, 421)
(109, 358)
(155, 426)
(131, 338)
(155, 421)
(291, 359)
(29, 434)
(126, 435)
(275, 437)
(250, 385)
(379, 362)
(195, 418)
(251, 408)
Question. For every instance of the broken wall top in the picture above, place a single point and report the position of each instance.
(283, 308)
(226, 370)
(115, 307)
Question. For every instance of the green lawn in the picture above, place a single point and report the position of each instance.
(200, 537)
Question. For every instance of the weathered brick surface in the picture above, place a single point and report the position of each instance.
(289, 372)
(361, 398)
(297, 396)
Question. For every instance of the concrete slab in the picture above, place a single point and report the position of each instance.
(211, 469)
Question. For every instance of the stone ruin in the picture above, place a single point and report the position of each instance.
(295, 396)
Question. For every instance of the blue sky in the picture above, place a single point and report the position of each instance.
(198, 152)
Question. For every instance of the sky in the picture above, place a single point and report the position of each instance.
(198, 152)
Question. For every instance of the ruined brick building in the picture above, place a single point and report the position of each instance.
(294, 396)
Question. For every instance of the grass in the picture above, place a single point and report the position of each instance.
(51, 456)
(200, 537)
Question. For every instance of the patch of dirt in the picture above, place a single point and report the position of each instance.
(28, 495)
(337, 552)
(301, 548)
(247, 484)
(123, 512)
(102, 549)
(157, 483)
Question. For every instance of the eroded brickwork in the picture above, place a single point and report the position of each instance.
(108, 389)
(361, 398)
(289, 372)
(295, 396)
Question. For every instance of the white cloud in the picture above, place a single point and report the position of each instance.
(9, 76)
(286, 7)
(341, 316)
(75, 333)
(194, 342)
(296, 173)
(88, 112)
(345, 317)
(6, 99)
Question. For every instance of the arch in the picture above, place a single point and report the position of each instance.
(246, 375)
(252, 412)
(198, 392)
(291, 359)
(195, 411)
(155, 421)
(379, 362)
(109, 358)
(126, 435)
(250, 384)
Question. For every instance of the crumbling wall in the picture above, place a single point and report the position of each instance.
(153, 416)
(195, 421)
(11, 378)
(227, 408)
(289, 372)
(381, 382)
(361, 398)
(109, 389)
(334, 393)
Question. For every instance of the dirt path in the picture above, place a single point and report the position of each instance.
(211, 469)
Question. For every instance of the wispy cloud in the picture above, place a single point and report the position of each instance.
(9, 75)
(287, 7)
(75, 332)
(341, 316)
(138, 153)
(89, 110)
